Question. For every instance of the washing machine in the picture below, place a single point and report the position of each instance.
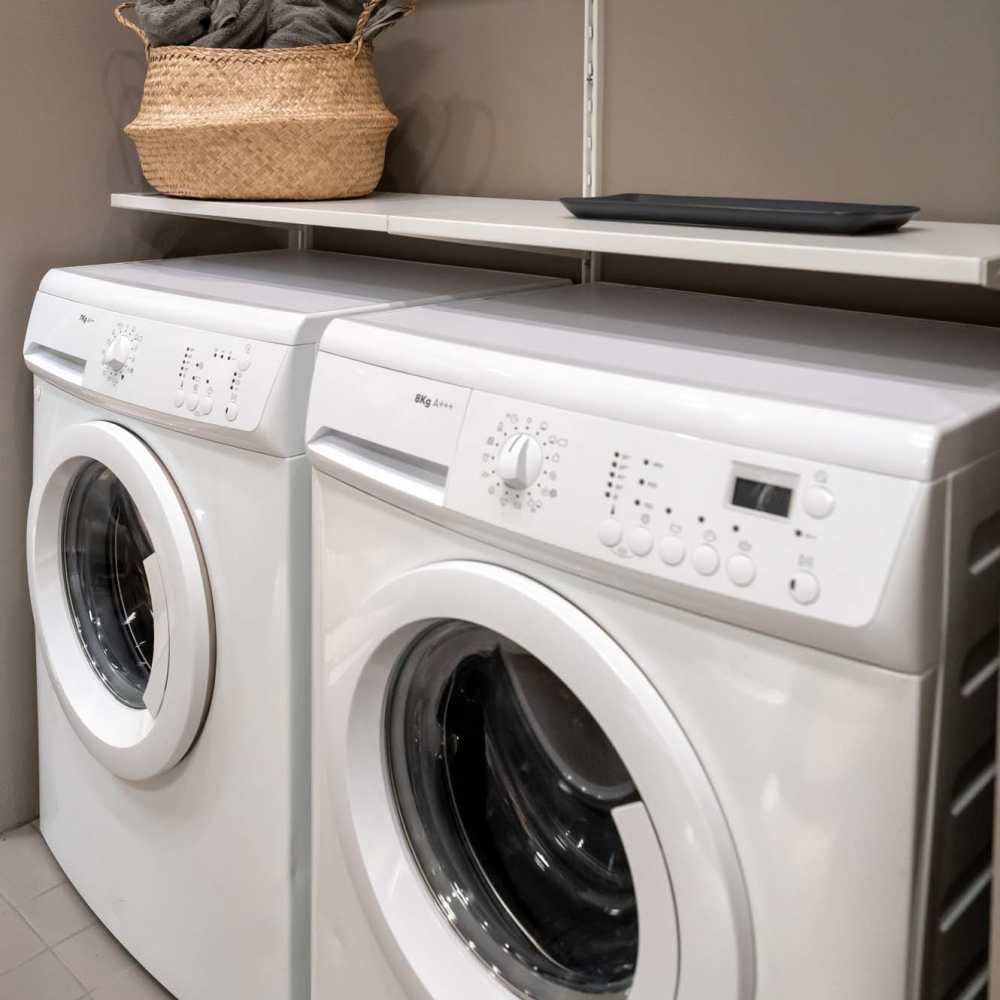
(655, 652)
(168, 555)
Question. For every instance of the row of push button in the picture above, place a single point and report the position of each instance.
(706, 560)
(202, 405)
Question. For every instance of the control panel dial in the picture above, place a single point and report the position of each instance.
(118, 353)
(520, 461)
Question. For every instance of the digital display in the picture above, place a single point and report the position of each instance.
(763, 497)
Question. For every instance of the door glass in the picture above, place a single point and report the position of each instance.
(505, 785)
(105, 544)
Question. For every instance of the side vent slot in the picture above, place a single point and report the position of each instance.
(982, 663)
(984, 549)
(976, 778)
(963, 925)
(957, 930)
(971, 891)
(975, 986)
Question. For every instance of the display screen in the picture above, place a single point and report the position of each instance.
(764, 497)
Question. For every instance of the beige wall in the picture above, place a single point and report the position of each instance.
(70, 80)
(894, 101)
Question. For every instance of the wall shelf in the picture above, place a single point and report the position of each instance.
(960, 253)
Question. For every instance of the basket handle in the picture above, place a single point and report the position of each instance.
(131, 25)
(367, 13)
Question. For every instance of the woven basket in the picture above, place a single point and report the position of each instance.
(262, 124)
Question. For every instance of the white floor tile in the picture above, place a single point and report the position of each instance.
(42, 978)
(94, 957)
(27, 869)
(57, 914)
(52, 947)
(18, 942)
(132, 984)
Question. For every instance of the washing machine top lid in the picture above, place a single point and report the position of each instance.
(284, 297)
(722, 368)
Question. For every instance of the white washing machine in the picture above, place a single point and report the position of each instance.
(656, 651)
(168, 553)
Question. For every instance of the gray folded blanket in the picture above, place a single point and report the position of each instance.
(293, 23)
(250, 24)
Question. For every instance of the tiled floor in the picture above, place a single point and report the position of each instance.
(51, 946)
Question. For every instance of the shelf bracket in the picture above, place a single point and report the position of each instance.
(593, 109)
(301, 237)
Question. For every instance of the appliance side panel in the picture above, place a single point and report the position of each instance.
(956, 922)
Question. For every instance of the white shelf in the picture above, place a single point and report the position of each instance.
(370, 214)
(962, 253)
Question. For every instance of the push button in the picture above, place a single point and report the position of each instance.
(640, 541)
(805, 588)
(819, 502)
(244, 363)
(672, 550)
(206, 406)
(741, 570)
(610, 532)
(706, 560)
(232, 412)
(192, 401)
(179, 398)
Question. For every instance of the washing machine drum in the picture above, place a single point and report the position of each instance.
(107, 562)
(506, 786)
(121, 603)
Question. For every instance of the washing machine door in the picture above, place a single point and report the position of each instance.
(121, 603)
(523, 816)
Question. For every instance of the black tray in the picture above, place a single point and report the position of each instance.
(745, 213)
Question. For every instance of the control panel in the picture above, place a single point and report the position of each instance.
(779, 532)
(190, 375)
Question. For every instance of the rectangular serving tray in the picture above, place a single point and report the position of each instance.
(839, 218)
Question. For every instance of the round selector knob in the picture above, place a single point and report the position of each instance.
(520, 462)
(117, 353)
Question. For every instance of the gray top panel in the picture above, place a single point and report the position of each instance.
(919, 371)
(283, 296)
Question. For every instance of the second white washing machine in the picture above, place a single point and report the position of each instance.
(168, 553)
(656, 651)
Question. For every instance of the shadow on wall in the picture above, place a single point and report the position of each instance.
(489, 96)
(454, 135)
(123, 86)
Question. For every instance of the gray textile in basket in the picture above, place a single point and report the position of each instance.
(294, 23)
(248, 24)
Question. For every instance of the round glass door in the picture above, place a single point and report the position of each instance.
(506, 786)
(122, 608)
(105, 548)
(518, 808)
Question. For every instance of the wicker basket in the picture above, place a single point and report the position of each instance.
(276, 124)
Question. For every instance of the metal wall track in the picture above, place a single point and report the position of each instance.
(593, 109)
